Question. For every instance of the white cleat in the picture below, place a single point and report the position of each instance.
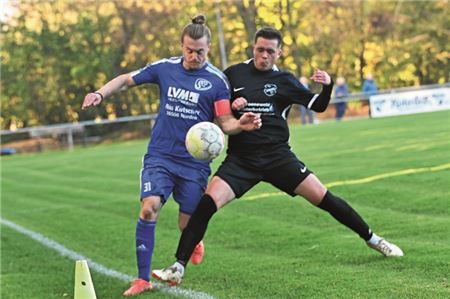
(170, 275)
(386, 248)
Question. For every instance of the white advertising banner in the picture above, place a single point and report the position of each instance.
(410, 102)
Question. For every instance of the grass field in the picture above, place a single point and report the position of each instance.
(394, 171)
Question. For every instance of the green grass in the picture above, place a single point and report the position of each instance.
(259, 246)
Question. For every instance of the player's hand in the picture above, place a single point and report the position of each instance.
(321, 77)
(250, 121)
(239, 103)
(91, 99)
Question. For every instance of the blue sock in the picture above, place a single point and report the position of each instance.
(145, 241)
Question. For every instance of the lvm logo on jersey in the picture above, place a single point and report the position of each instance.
(182, 95)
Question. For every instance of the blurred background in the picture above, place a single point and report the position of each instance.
(54, 52)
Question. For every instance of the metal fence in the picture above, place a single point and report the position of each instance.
(67, 135)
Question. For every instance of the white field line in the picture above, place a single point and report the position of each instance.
(64, 251)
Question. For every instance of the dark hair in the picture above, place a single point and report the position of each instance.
(197, 29)
(269, 33)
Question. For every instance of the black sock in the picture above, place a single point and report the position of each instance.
(195, 229)
(345, 214)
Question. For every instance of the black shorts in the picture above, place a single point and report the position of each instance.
(277, 166)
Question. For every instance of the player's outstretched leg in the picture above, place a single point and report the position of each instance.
(198, 254)
(346, 215)
(138, 286)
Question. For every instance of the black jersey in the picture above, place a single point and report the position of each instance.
(270, 93)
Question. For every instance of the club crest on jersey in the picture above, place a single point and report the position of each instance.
(202, 84)
(270, 89)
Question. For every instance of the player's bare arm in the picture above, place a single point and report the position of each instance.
(249, 121)
(117, 84)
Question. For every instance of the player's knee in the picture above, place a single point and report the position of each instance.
(318, 196)
(220, 192)
(312, 189)
(149, 213)
(150, 209)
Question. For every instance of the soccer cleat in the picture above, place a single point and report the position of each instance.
(171, 275)
(198, 254)
(386, 248)
(138, 286)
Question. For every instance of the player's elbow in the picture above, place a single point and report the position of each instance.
(321, 104)
(126, 81)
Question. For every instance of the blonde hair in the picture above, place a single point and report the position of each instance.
(197, 29)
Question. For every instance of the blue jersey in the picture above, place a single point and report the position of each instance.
(186, 98)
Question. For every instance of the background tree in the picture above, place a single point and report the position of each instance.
(54, 52)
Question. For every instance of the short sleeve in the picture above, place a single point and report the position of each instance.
(147, 74)
(223, 93)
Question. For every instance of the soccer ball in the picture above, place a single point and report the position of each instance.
(205, 141)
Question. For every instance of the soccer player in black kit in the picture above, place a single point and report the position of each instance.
(265, 155)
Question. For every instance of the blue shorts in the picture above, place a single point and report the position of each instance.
(162, 177)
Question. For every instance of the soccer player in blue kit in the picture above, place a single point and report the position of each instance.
(265, 155)
(191, 90)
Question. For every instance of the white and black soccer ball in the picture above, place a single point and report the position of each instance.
(205, 141)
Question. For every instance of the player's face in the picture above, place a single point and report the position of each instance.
(195, 52)
(266, 53)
